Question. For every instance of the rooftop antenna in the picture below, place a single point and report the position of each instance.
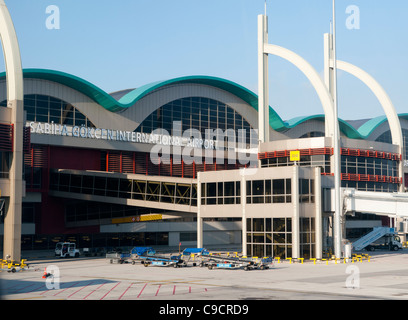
(265, 7)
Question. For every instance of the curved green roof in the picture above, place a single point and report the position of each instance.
(111, 104)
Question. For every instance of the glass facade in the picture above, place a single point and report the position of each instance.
(359, 169)
(322, 161)
(306, 191)
(5, 162)
(79, 211)
(146, 190)
(46, 109)
(369, 173)
(307, 237)
(269, 191)
(200, 114)
(369, 166)
(313, 134)
(101, 242)
(387, 138)
(214, 193)
(270, 237)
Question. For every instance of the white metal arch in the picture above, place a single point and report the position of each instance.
(315, 79)
(15, 96)
(387, 105)
(381, 95)
(11, 54)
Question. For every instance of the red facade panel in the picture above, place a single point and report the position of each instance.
(75, 159)
(6, 137)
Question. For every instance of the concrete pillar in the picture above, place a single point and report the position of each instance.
(295, 217)
(200, 243)
(244, 218)
(318, 213)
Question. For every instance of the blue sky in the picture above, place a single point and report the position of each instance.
(141, 41)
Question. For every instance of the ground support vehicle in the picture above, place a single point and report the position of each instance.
(163, 261)
(389, 242)
(229, 263)
(262, 263)
(379, 238)
(139, 253)
(194, 256)
(220, 262)
(66, 249)
(118, 257)
(13, 266)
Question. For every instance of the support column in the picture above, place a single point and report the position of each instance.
(295, 217)
(12, 219)
(338, 236)
(199, 219)
(318, 213)
(15, 97)
(244, 218)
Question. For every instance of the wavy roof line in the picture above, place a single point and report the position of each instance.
(111, 104)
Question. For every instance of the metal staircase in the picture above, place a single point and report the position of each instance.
(369, 238)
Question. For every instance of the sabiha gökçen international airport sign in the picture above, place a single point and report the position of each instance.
(190, 138)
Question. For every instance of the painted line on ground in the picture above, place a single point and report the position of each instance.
(23, 288)
(157, 292)
(110, 290)
(95, 290)
(142, 290)
(66, 288)
(125, 291)
(79, 290)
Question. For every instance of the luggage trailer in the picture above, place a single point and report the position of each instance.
(148, 257)
(213, 262)
(135, 254)
(184, 259)
(140, 254)
(163, 261)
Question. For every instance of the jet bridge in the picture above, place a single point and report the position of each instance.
(380, 203)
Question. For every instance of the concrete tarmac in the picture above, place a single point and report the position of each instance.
(383, 277)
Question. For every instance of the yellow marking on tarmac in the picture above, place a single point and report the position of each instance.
(27, 298)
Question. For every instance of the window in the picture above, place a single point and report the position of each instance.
(307, 237)
(306, 191)
(269, 191)
(228, 192)
(322, 161)
(4, 165)
(358, 169)
(41, 108)
(200, 114)
(271, 237)
(188, 236)
(167, 192)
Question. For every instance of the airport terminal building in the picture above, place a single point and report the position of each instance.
(178, 162)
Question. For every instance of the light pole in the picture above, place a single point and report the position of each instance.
(336, 145)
